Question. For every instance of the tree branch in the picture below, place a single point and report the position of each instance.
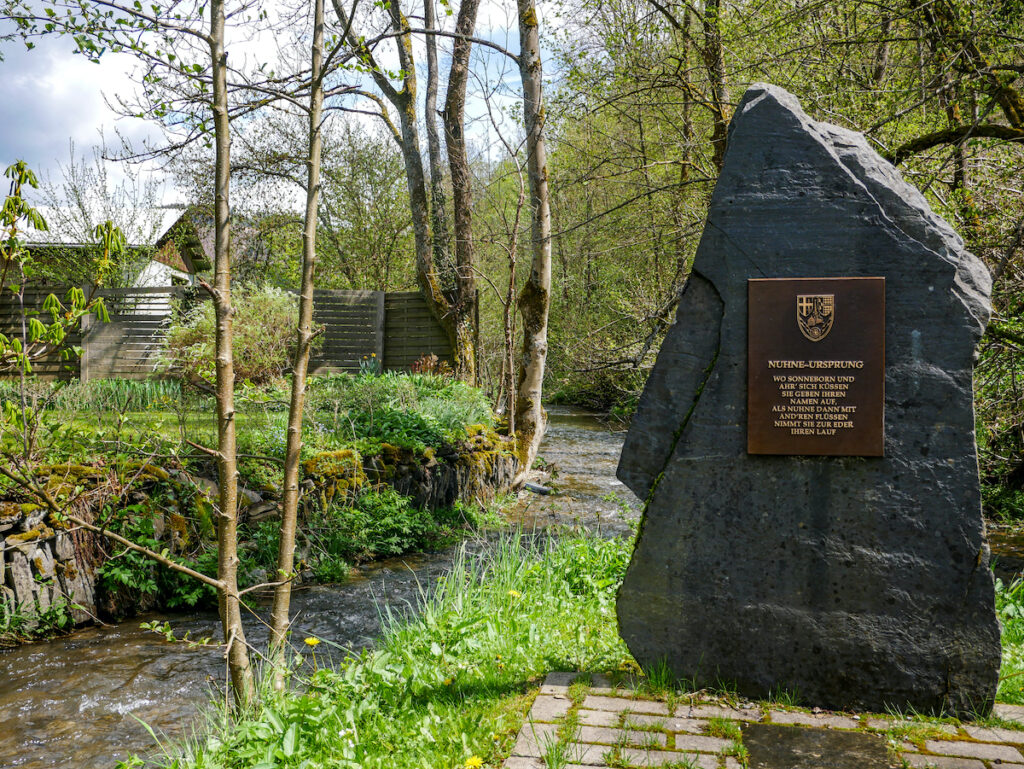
(954, 135)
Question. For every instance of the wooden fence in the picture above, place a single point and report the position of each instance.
(395, 328)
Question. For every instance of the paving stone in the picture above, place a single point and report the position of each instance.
(561, 679)
(879, 723)
(620, 736)
(518, 762)
(587, 754)
(1009, 712)
(732, 763)
(662, 757)
(1001, 765)
(620, 704)
(691, 725)
(533, 738)
(599, 717)
(775, 746)
(988, 734)
(918, 761)
(974, 750)
(703, 744)
(550, 707)
(555, 689)
(585, 766)
(720, 711)
(824, 720)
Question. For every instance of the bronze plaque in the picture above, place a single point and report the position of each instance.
(816, 366)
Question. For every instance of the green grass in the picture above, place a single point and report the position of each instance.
(1010, 608)
(450, 685)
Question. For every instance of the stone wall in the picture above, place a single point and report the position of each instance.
(473, 473)
(44, 564)
(47, 564)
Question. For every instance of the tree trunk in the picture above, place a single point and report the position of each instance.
(279, 616)
(438, 211)
(464, 307)
(714, 63)
(242, 679)
(535, 299)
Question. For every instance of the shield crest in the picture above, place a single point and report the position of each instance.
(815, 314)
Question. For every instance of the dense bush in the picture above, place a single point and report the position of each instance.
(264, 326)
(404, 409)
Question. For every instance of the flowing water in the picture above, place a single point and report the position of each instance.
(79, 702)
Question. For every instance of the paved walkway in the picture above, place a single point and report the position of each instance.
(576, 726)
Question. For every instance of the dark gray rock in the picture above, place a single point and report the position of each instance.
(855, 582)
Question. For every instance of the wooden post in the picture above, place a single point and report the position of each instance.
(378, 328)
(84, 362)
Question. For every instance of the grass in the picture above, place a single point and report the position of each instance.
(451, 685)
(1010, 608)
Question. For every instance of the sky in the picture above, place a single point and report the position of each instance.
(52, 96)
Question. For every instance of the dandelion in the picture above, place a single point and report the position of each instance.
(515, 594)
(473, 762)
(447, 682)
(312, 641)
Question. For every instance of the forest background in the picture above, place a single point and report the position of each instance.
(639, 94)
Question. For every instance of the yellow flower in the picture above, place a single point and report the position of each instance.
(311, 641)
(447, 682)
(515, 594)
(474, 762)
(373, 355)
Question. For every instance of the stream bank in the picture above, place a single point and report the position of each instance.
(72, 703)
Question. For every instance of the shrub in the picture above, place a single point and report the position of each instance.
(380, 524)
(404, 409)
(264, 327)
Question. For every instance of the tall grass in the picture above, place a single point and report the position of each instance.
(98, 394)
(447, 685)
(1010, 608)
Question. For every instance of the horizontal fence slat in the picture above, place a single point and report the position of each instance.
(397, 327)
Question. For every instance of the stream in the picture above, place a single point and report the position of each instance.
(80, 702)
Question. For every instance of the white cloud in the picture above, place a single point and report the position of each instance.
(51, 96)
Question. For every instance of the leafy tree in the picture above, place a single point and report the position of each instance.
(185, 79)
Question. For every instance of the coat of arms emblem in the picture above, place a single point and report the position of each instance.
(815, 314)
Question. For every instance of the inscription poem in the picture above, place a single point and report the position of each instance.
(816, 366)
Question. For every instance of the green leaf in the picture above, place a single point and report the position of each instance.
(291, 738)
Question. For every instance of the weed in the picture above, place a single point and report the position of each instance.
(782, 698)
(724, 728)
(579, 689)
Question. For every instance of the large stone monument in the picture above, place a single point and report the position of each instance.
(805, 443)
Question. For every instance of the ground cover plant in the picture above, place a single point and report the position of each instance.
(1010, 608)
(449, 688)
(120, 426)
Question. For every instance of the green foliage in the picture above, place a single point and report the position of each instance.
(379, 525)
(447, 685)
(1010, 609)
(264, 336)
(16, 267)
(22, 623)
(999, 400)
(413, 410)
(102, 394)
(130, 578)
